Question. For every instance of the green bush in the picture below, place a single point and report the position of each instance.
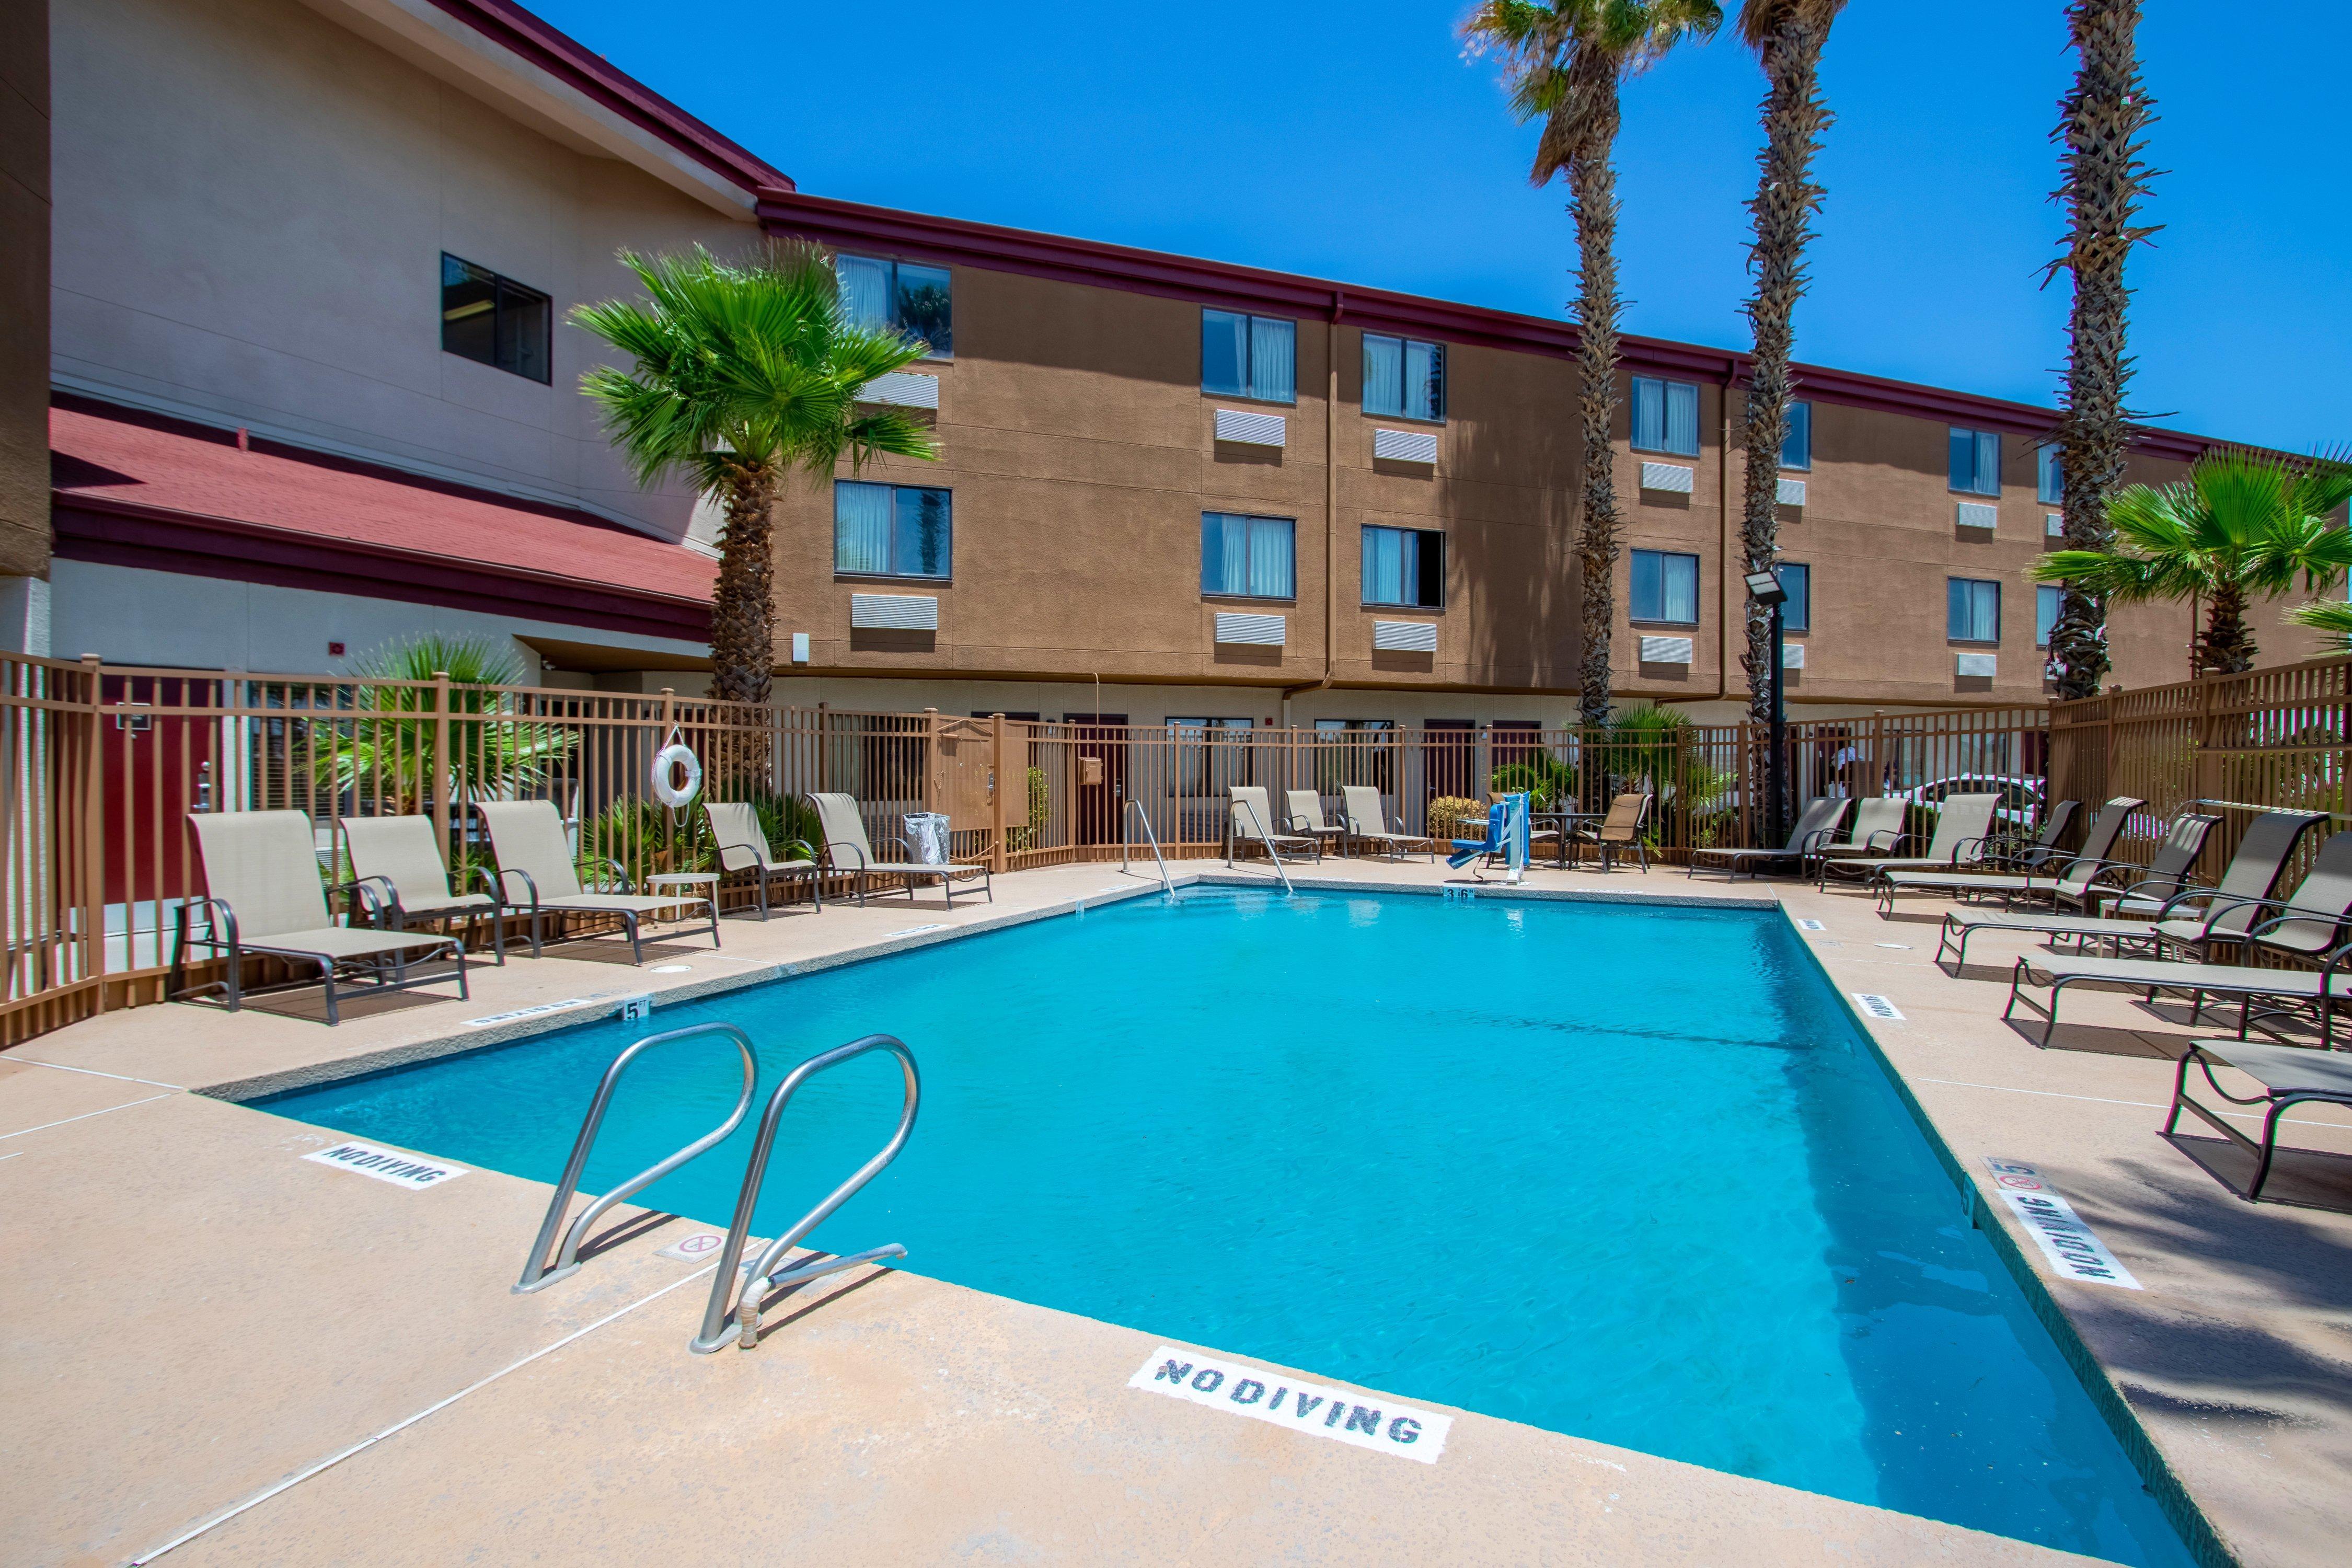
(1451, 816)
(1549, 784)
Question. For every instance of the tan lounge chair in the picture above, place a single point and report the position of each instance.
(1961, 827)
(263, 895)
(847, 852)
(743, 846)
(2067, 880)
(1816, 828)
(1249, 820)
(397, 873)
(1876, 828)
(1306, 818)
(535, 861)
(1367, 824)
(1618, 831)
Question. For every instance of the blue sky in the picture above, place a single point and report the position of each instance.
(1355, 143)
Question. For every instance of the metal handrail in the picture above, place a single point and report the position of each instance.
(536, 1271)
(726, 1301)
(1151, 837)
(1273, 852)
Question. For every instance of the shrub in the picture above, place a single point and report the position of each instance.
(1450, 816)
(1547, 782)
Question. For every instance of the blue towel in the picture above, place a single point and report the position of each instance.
(1507, 835)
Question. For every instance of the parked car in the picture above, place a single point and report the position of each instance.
(2021, 799)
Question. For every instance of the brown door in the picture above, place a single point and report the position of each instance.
(1098, 748)
(155, 770)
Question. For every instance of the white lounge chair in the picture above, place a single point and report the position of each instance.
(1876, 828)
(1367, 824)
(743, 846)
(848, 852)
(535, 860)
(1250, 820)
(396, 872)
(1961, 827)
(1306, 818)
(263, 895)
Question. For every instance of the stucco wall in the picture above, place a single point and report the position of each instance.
(253, 201)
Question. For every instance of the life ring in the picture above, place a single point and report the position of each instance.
(667, 761)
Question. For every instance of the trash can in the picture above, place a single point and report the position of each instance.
(927, 834)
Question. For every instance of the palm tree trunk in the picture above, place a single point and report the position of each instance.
(1593, 193)
(2101, 124)
(743, 609)
(2227, 646)
(1785, 201)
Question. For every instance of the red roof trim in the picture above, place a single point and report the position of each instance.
(1223, 284)
(520, 33)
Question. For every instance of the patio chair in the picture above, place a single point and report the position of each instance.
(847, 852)
(263, 896)
(397, 875)
(2309, 924)
(2214, 915)
(527, 837)
(1961, 827)
(2028, 852)
(1816, 828)
(1306, 818)
(2067, 879)
(2289, 1076)
(743, 846)
(1618, 831)
(1367, 824)
(1249, 820)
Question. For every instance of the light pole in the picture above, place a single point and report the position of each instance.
(1764, 587)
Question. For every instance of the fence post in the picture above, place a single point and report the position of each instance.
(1482, 765)
(445, 796)
(93, 826)
(1000, 784)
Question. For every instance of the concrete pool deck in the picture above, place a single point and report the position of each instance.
(198, 1319)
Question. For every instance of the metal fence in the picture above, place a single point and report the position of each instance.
(104, 766)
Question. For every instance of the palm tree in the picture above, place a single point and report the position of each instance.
(2101, 125)
(1564, 61)
(2330, 616)
(1787, 36)
(745, 371)
(2245, 525)
(386, 752)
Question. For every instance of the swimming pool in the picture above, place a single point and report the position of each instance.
(1627, 1174)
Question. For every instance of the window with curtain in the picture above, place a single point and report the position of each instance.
(2049, 477)
(891, 530)
(1404, 566)
(495, 320)
(2046, 600)
(1247, 557)
(1665, 416)
(1404, 377)
(1797, 581)
(1797, 445)
(1249, 357)
(1665, 587)
(1976, 462)
(1972, 610)
(899, 296)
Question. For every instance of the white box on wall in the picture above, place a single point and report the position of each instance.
(1671, 478)
(1253, 631)
(1792, 656)
(2053, 524)
(799, 648)
(1665, 650)
(1791, 492)
(1405, 445)
(894, 612)
(902, 389)
(1977, 514)
(1405, 637)
(1250, 429)
(1984, 666)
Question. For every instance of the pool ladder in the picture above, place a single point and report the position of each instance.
(743, 1306)
(1135, 808)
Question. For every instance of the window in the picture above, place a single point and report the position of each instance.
(899, 296)
(2046, 600)
(1665, 587)
(1976, 462)
(1246, 557)
(1355, 751)
(1665, 416)
(891, 530)
(1797, 615)
(1404, 566)
(1404, 377)
(1249, 357)
(1797, 445)
(2049, 477)
(1204, 767)
(494, 321)
(1972, 610)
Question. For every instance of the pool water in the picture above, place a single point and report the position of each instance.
(1627, 1174)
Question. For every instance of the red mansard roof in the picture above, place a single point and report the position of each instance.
(140, 490)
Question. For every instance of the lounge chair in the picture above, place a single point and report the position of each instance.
(2212, 915)
(1367, 824)
(1876, 828)
(1958, 840)
(535, 860)
(2067, 880)
(1816, 828)
(396, 872)
(2289, 1075)
(2031, 852)
(263, 895)
(1306, 818)
(2309, 924)
(1618, 831)
(743, 846)
(848, 852)
(1250, 820)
